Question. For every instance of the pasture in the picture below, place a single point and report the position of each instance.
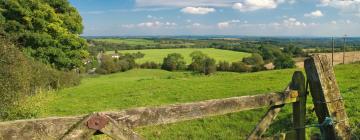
(137, 88)
(157, 55)
(129, 41)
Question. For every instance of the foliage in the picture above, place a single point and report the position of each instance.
(121, 63)
(270, 53)
(47, 30)
(254, 59)
(283, 62)
(157, 55)
(21, 76)
(150, 65)
(224, 66)
(240, 67)
(173, 62)
(107, 65)
(202, 63)
(294, 51)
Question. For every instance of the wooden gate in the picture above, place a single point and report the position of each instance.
(118, 125)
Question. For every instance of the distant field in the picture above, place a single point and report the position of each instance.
(128, 41)
(157, 55)
(142, 87)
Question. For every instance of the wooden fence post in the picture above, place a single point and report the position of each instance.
(326, 97)
(299, 108)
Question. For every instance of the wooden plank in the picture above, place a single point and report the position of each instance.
(55, 128)
(264, 123)
(299, 108)
(326, 97)
(79, 131)
(119, 131)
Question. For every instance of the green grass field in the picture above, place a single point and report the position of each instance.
(137, 88)
(132, 41)
(157, 55)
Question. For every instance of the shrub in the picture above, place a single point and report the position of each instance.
(283, 62)
(256, 68)
(254, 59)
(202, 63)
(224, 66)
(107, 65)
(173, 62)
(21, 77)
(150, 65)
(240, 67)
(209, 66)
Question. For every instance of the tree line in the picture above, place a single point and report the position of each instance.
(201, 63)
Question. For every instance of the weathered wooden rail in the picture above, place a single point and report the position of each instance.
(119, 125)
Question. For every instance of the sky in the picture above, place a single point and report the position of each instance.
(220, 17)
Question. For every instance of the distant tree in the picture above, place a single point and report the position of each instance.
(202, 63)
(107, 65)
(173, 62)
(197, 61)
(294, 51)
(150, 65)
(254, 59)
(209, 66)
(283, 62)
(240, 67)
(47, 30)
(224, 66)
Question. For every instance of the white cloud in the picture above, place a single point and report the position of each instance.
(197, 10)
(346, 6)
(314, 14)
(222, 25)
(226, 24)
(155, 24)
(185, 3)
(293, 22)
(154, 17)
(253, 5)
(196, 24)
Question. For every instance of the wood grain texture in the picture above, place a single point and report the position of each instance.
(55, 128)
(326, 96)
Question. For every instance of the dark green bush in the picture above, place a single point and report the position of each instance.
(224, 66)
(254, 59)
(150, 65)
(21, 77)
(240, 67)
(202, 63)
(283, 62)
(173, 62)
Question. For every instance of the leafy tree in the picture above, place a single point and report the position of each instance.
(224, 66)
(240, 67)
(283, 62)
(47, 30)
(202, 63)
(150, 65)
(294, 51)
(209, 66)
(254, 59)
(107, 65)
(173, 62)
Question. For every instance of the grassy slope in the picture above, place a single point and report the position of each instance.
(156, 87)
(157, 55)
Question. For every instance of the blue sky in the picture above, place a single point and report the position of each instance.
(220, 17)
